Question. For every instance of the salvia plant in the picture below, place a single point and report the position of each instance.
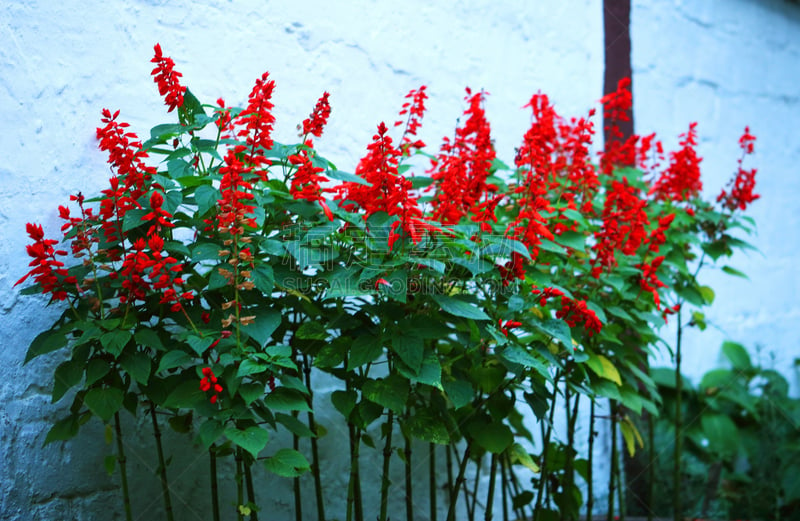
(454, 297)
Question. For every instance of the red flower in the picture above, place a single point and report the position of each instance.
(575, 312)
(306, 179)
(234, 212)
(209, 383)
(414, 109)
(508, 324)
(257, 120)
(318, 118)
(624, 222)
(681, 181)
(461, 168)
(649, 280)
(47, 271)
(742, 185)
(167, 79)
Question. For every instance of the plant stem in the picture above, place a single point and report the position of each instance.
(490, 494)
(612, 474)
(239, 488)
(432, 477)
(162, 466)
(387, 456)
(212, 456)
(676, 473)
(450, 484)
(569, 467)
(545, 445)
(451, 511)
(471, 510)
(503, 493)
(314, 448)
(651, 469)
(251, 495)
(409, 488)
(590, 464)
(298, 500)
(126, 498)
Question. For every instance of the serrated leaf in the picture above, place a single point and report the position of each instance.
(252, 439)
(185, 395)
(518, 355)
(44, 343)
(555, 328)
(67, 375)
(103, 402)
(199, 344)
(460, 392)
(427, 426)
(344, 401)
(264, 278)
(287, 463)
(430, 373)
(312, 331)
(574, 240)
(148, 338)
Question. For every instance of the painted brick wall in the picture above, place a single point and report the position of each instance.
(723, 63)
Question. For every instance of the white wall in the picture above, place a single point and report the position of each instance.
(724, 63)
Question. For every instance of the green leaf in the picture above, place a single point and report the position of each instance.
(209, 432)
(266, 322)
(248, 367)
(133, 219)
(136, 364)
(63, 430)
(574, 240)
(737, 355)
(312, 330)
(205, 251)
(460, 308)
(149, 338)
(344, 401)
(721, 433)
(430, 373)
(264, 278)
(344, 176)
(96, 369)
(707, 293)
(390, 392)
(554, 328)
(199, 344)
(287, 463)
(44, 343)
(631, 436)
(365, 349)
(460, 392)
(410, 349)
(186, 395)
(284, 399)
(103, 402)
(736, 273)
(518, 355)
(174, 359)
(166, 130)
(604, 368)
(428, 426)
(114, 341)
(520, 455)
(494, 437)
(252, 439)
(110, 462)
(294, 425)
(67, 375)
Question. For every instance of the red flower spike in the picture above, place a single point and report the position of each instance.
(318, 118)
(167, 79)
(256, 121)
(681, 180)
(744, 182)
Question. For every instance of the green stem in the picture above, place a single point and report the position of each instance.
(450, 484)
(432, 477)
(676, 472)
(239, 487)
(612, 474)
(651, 469)
(545, 445)
(471, 508)
(503, 492)
(451, 511)
(162, 466)
(409, 488)
(490, 494)
(387, 456)
(590, 463)
(212, 455)
(251, 494)
(126, 498)
(315, 470)
(298, 500)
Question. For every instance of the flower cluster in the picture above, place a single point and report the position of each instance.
(744, 182)
(167, 79)
(209, 383)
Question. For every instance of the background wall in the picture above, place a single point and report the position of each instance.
(724, 64)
